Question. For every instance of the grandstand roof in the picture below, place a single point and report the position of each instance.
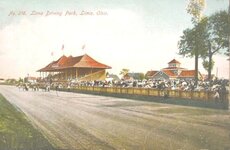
(84, 61)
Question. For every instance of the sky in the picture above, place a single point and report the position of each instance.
(140, 35)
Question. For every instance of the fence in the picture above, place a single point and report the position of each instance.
(194, 95)
(178, 97)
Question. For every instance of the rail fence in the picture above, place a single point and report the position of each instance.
(178, 97)
(194, 95)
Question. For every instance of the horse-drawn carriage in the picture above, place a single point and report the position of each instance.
(33, 86)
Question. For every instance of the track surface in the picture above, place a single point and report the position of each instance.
(78, 121)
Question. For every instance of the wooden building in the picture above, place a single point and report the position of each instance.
(173, 71)
(81, 68)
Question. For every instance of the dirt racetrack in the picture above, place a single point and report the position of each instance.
(79, 121)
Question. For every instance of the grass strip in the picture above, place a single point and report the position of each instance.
(16, 133)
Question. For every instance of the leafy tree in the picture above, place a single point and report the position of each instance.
(206, 64)
(107, 74)
(141, 76)
(124, 72)
(217, 31)
(220, 29)
(193, 42)
(192, 39)
(208, 37)
(20, 80)
(195, 8)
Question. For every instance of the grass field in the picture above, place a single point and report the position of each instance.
(16, 133)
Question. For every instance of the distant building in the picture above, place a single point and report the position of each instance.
(133, 76)
(173, 71)
(83, 68)
(112, 77)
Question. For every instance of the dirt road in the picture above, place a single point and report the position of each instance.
(79, 121)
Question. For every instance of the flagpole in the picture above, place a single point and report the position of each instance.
(52, 55)
(83, 47)
(62, 49)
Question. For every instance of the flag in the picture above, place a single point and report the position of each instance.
(83, 47)
(62, 48)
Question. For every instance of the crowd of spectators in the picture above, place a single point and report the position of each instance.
(219, 87)
(184, 85)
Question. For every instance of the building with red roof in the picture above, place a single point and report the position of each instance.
(150, 74)
(173, 71)
(81, 68)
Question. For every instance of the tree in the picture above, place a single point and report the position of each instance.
(141, 76)
(192, 39)
(206, 64)
(219, 24)
(195, 8)
(209, 36)
(218, 29)
(107, 74)
(193, 42)
(124, 72)
(20, 80)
